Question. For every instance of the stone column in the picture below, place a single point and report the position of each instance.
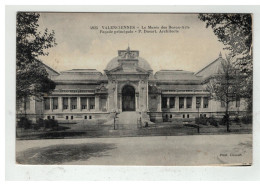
(111, 95)
(32, 104)
(185, 103)
(96, 103)
(69, 103)
(159, 106)
(120, 102)
(60, 104)
(143, 105)
(193, 103)
(210, 106)
(136, 102)
(79, 103)
(43, 106)
(51, 103)
(202, 102)
(168, 102)
(107, 102)
(115, 95)
(88, 104)
(177, 103)
(147, 103)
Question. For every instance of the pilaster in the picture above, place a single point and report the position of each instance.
(88, 106)
(193, 103)
(177, 103)
(120, 101)
(79, 103)
(97, 103)
(51, 103)
(69, 103)
(136, 101)
(159, 106)
(60, 104)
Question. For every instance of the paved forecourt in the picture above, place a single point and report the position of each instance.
(157, 150)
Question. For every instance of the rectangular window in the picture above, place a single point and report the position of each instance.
(237, 102)
(188, 102)
(67, 117)
(86, 117)
(19, 104)
(48, 117)
(172, 102)
(55, 103)
(27, 103)
(164, 102)
(46, 103)
(73, 102)
(188, 116)
(65, 103)
(83, 103)
(183, 116)
(92, 103)
(103, 103)
(90, 117)
(198, 102)
(71, 117)
(181, 102)
(205, 102)
(53, 117)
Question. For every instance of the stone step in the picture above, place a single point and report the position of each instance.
(128, 118)
(126, 126)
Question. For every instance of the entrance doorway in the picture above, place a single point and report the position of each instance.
(128, 98)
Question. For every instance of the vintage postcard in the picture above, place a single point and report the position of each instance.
(147, 89)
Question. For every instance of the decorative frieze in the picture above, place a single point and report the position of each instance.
(73, 91)
(185, 92)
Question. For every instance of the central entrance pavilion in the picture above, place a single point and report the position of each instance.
(128, 76)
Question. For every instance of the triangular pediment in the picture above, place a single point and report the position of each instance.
(119, 68)
(141, 70)
(128, 70)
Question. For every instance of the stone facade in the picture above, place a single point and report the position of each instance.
(128, 84)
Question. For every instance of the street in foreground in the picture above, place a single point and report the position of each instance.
(234, 149)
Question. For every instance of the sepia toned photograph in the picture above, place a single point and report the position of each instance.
(126, 89)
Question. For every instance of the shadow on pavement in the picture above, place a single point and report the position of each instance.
(59, 154)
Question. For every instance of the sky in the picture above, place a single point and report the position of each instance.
(80, 47)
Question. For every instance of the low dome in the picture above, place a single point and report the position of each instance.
(142, 63)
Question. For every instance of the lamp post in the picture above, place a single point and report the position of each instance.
(115, 122)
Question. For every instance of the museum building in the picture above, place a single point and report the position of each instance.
(129, 84)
